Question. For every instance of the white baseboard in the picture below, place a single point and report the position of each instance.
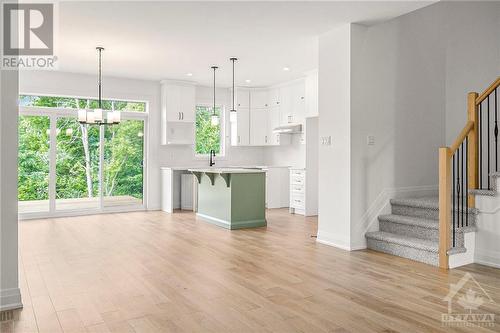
(10, 299)
(331, 240)
(488, 258)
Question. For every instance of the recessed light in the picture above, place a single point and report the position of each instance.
(248, 80)
(286, 69)
(189, 74)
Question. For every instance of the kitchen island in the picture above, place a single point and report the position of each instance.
(231, 198)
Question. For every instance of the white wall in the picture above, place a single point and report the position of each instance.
(407, 81)
(397, 96)
(487, 249)
(292, 155)
(10, 296)
(334, 213)
(71, 84)
(472, 56)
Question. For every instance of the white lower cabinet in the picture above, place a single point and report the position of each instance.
(299, 194)
(277, 192)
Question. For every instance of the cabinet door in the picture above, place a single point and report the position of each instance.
(242, 98)
(312, 95)
(272, 123)
(286, 105)
(187, 103)
(298, 103)
(171, 102)
(242, 127)
(258, 127)
(274, 97)
(259, 99)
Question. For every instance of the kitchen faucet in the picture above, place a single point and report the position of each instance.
(212, 157)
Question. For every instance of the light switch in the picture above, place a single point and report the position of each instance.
(370, 140)
(326, 140)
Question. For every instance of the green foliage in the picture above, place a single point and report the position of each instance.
(208, 137)
(77, 162)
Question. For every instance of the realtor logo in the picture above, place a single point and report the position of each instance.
(470, 296)
(28, 29)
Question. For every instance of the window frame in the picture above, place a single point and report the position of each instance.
(222, 134)
(59, 112)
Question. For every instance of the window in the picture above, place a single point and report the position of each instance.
(209, 137)
(90, 167)
(76, 103)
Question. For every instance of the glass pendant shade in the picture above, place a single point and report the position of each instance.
(82, 115)
(215, 120)
(90, 117)
(233, 116)
(98, 115)
(116, 117)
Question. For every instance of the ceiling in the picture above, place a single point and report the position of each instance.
(167, 40)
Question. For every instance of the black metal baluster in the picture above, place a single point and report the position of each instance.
(463, 187)
(467, 180)
(480, 145)
(459, 190)
(488, 129)
(453, 199)
(496, 132)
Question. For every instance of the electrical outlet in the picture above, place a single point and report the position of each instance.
(370, 140)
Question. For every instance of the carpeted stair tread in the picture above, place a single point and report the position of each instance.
(410, 220)
(489, 193)
(419, 222)
(431, 203)
(457, 250)
(416, 243)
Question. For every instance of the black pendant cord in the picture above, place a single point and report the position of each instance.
(99, 79)
(233, 60)
(214, 68)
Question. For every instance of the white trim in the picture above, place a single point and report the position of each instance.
(10, 299)
(466, 258)
(329, 239)
(71, 212)
(488, 258)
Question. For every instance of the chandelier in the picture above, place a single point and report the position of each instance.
(99, 116)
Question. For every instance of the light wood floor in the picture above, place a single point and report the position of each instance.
(155, 272)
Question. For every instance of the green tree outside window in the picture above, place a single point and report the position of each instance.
(208, 137)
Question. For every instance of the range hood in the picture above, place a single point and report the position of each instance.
(288, 129)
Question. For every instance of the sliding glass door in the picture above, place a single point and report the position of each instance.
(123, 164)
(77, 165)
(33, 168)
(69, 168)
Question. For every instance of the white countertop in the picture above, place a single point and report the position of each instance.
(226, 167)
(226, 170)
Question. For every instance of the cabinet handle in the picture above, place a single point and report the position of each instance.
(182, 115)
(179, 115)
(266, 139)
(277, 102)
(239, 139)
(301, 97)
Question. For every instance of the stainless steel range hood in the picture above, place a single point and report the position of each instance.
(288, 129)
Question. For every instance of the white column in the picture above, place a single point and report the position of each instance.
(334, 211)
(10, 296)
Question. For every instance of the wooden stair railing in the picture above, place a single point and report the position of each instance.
(462, 167)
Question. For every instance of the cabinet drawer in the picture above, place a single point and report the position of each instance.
(295, 172)
(297, 188)
(297, 201)
(297, 180)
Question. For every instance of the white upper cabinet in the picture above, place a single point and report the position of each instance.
(258, 126)
(274, 97)
(259, 99)
(177, 112)
(312, 94)
(240, 130)
(178, 102)
(299, 102)
(242, 98)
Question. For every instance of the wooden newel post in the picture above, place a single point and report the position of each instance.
(473, 140)
(444, 205)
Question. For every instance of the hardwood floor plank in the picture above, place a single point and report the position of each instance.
(158, 272)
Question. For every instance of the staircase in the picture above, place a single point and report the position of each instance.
(412, 230)
(440, 230)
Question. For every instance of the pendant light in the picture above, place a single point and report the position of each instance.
(215, 117)
(97, 115)
(232, 114)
